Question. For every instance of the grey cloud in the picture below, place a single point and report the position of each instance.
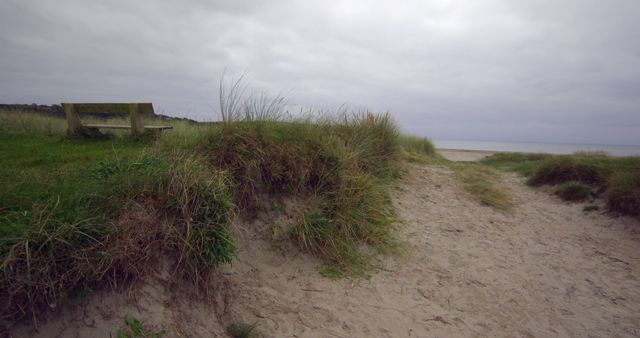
(518, 70)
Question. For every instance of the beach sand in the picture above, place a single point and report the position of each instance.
(545, 269)
(465, 155)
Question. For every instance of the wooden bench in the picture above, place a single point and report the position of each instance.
(136, 112)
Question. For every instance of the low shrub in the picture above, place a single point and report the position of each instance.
(574, 191)
(563, 169)
(623, 194)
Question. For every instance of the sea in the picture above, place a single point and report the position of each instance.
(549, 148)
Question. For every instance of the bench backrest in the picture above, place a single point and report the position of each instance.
(136, 112)
(113, 108)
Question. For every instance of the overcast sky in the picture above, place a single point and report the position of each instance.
(526, 70)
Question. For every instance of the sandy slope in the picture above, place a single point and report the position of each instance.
(546, 269)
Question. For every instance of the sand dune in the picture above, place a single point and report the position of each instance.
(545, 269)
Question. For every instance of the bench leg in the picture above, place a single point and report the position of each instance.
(73, 119)
(137, 123)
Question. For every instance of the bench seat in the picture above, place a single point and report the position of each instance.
(124, 126)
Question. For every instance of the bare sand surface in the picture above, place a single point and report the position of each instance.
(465, 155)
(545, 269)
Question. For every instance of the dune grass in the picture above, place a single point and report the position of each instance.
(78, 215)
(482, 183)
(341, 169)
(415, 146)
(615, 179)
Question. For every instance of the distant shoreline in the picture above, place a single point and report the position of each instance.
(477, 155)
(489, 152)
(545, 148)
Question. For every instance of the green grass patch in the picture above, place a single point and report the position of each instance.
(63, 179)
(523, 163)
(76, 215)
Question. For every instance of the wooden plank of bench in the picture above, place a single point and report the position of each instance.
(123, 126)
(108, 126)
(158, 127)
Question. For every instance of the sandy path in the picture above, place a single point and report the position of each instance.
(546, 269)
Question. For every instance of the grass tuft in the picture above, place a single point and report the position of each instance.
(331, 272)
(415, 147)
(135, 329)
(242, 330)
(574, 191)
(481, 182)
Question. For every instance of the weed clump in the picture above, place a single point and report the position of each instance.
(574, 191)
